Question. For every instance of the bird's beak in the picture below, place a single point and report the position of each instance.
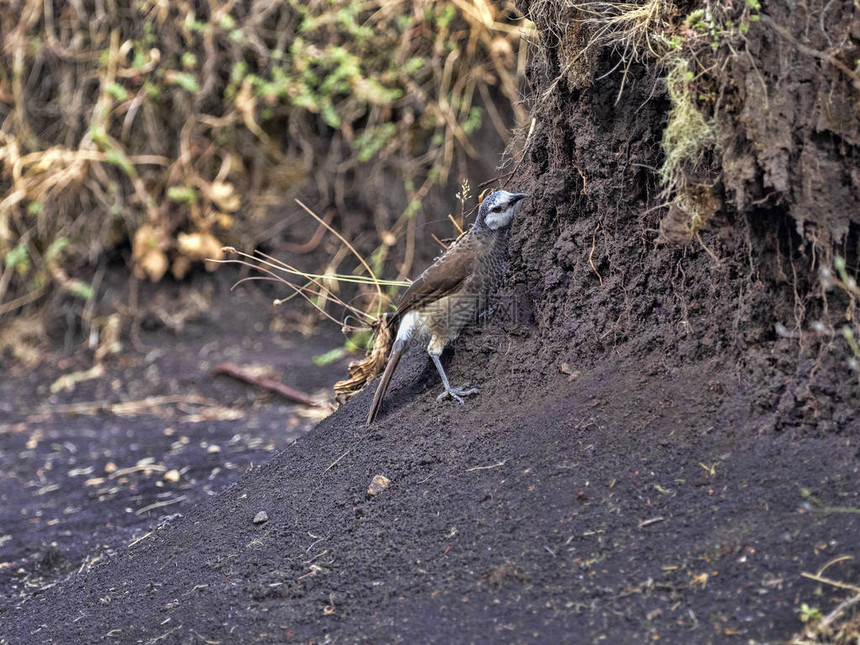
(517, 197)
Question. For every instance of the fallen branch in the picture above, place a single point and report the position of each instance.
(285, 391)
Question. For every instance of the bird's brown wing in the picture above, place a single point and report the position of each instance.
(442, 278)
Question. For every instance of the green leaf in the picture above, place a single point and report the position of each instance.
(56, 247)
(98, 134)
(116, 90)
(138, 60)
(413, 65)
(372, 140)
(184, 80)
(19, 258)
(412, 209)
(195, 25)
(330, 115)
(446, 15)
(473, 121)
(809, 614)
(694, 17)
(239, 71)
(152, 90)
(82, 290)
(329, 357)
(181, 194)
(118, 158)
(359, 342)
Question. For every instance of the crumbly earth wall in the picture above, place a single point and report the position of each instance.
(591, 273)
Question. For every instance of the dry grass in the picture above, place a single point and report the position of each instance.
(191, 119)
(636, 32)
(366, 326)
(365, 369)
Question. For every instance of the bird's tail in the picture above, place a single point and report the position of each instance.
(393, 359)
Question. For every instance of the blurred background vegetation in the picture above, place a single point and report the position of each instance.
(159, 131)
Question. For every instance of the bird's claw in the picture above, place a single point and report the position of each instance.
(457, 393)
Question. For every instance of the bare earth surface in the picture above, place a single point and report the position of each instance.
(90, 469)
(628, 503)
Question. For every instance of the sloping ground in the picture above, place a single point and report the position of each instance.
(90, 469)
(617, 505)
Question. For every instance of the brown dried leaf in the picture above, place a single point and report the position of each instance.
(147, 251)
(224, 195)
(363, 371)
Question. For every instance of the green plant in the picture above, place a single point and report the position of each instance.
(809, 614)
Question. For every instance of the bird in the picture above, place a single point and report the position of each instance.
(451, 293)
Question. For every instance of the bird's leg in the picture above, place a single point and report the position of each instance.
(456, 393)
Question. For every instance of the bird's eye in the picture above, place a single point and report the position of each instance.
(496, 209)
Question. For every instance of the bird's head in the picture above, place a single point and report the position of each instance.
(497, 210)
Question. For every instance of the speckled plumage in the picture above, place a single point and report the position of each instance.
(453, 291)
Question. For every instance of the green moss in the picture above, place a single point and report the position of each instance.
(371, 141)
(688, 133)
(184, 80)
(19, 259)
(688, 136)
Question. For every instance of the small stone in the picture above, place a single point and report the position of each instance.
(213, 449)
(171, 476)
(378, 484)
(261, 517)
(110, 467)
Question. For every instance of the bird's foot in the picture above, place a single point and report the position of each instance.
(457, 393)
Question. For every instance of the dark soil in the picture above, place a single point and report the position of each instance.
(648, 458)
(629, 503)
(79, 475)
